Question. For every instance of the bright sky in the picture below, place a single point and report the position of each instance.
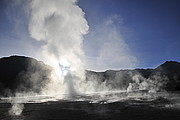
(122, 33)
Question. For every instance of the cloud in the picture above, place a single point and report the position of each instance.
(107, 48)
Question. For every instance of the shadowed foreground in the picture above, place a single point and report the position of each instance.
(124, 110)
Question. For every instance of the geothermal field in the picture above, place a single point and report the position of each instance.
(123, 94)
(89, 60)
(96, 106)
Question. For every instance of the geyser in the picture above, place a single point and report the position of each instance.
(60, 24)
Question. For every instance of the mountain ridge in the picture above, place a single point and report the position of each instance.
(20, 73)
(16, 73)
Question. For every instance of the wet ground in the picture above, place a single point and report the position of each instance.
(96, 107)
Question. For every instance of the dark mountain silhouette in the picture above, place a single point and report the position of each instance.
(165, 77)
(25, 74)
(170, 69)
(19, 73)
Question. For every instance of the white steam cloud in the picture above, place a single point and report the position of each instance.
(108, 48)
(60, 24)
(17, 107)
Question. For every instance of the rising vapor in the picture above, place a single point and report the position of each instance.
(55, 88)
(60, 24)
(108, 48)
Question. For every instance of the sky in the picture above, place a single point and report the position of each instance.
(122, 34)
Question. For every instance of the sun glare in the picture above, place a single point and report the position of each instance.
(64, 62)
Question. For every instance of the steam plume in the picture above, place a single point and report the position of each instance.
(17, 107)
(60, 24)
(108, 49)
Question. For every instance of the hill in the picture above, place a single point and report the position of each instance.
(20, 73)
(164, 77)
